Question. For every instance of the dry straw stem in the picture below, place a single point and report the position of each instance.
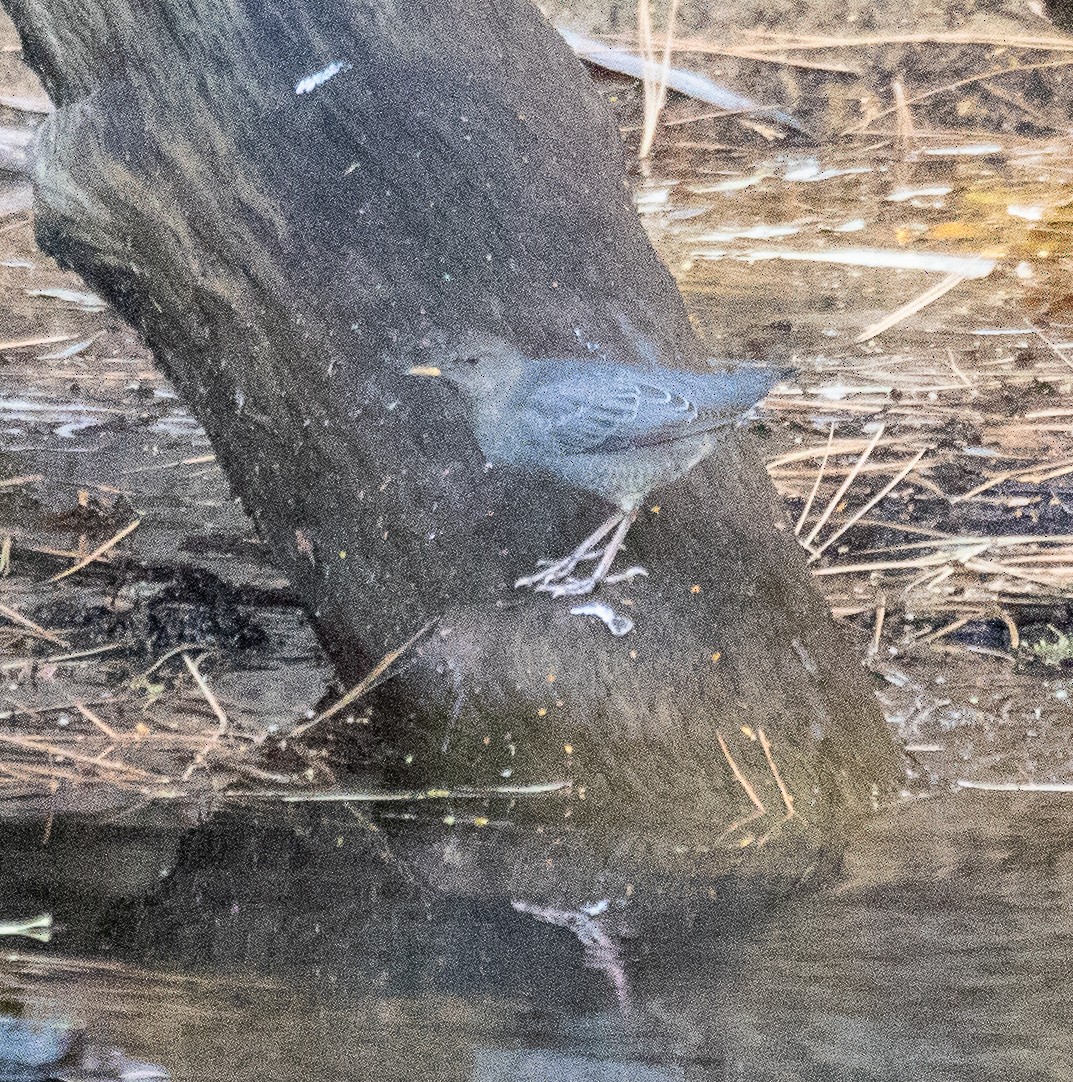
(760, 42)
(869, 469)
(739, 776)
(904, 132)
(1017, 786)
(935, 560)
(31, 343)
(880, 618)
(948, 629)
(787, 798)
(195, 460)
(807, 509)
(384, 796)
(910, 308)
(758, 811)
(844, 487)
(107, 766)
(99, 551)
(865, 508)
(26, 479)
(850, 446)
(27, 624)
(365, 684)
(91, 717)
(1031, 475)
(217, 709)
(1054, 347)
(655, 90)
(81, 655)
(946, 88)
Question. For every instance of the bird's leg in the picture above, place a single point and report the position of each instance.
(601, 947)
(559, 570)
(573, 587)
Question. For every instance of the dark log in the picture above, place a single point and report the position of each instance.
(450, 172)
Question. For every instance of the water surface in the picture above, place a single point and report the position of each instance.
(287, 951)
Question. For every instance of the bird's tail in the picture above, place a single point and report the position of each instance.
(746, 385)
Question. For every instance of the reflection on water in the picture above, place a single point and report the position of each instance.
(272, 952)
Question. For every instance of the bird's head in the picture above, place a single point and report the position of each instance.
(485, 372)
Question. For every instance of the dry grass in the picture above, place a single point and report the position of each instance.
(940, 553)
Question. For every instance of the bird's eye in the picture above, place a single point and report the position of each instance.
(471, 360)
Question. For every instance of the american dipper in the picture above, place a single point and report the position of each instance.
(609, 429)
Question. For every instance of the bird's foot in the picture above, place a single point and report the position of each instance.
(570, 587)
(574, 558)
(573, 587)
(551, 575)
(628, 575)
(558, 579)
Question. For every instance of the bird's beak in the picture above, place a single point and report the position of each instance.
(423, 370)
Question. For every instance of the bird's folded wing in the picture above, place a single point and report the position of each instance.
(588, 415)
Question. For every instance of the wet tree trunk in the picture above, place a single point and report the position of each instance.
(289, 199)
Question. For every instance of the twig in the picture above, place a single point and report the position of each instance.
(881, 615)
(30, 343)
(787, 798)
(816, 484)
(25, 479)
(25, 622)
(936, 560)
(742, 780)
(46, 748)
(910, 308)
(98, 552)
(761, 41)
(364, 684)
(744, 821)
(196, 460)
(78, 655)
(655, 90)
(947, 629)
(1011, 627)
(992, 73)
(1051, 344)
(904, 133)
(90, 716)
(217, 709)
(859, 514)
(850, 477)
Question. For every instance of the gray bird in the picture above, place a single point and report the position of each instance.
(615, 431)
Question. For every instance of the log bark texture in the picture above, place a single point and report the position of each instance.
(290, 199)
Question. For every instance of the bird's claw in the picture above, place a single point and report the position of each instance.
(572, 587)
(568, 587)
(573, 560)
(558, 578)
(628, 575)
(550, 574)
(543, 579)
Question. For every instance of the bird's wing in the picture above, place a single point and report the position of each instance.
(609, 408)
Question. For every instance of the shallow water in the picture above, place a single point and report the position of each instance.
(302, 946)
(283, 950)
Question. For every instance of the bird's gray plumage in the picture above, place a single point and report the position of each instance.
(612, 430)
